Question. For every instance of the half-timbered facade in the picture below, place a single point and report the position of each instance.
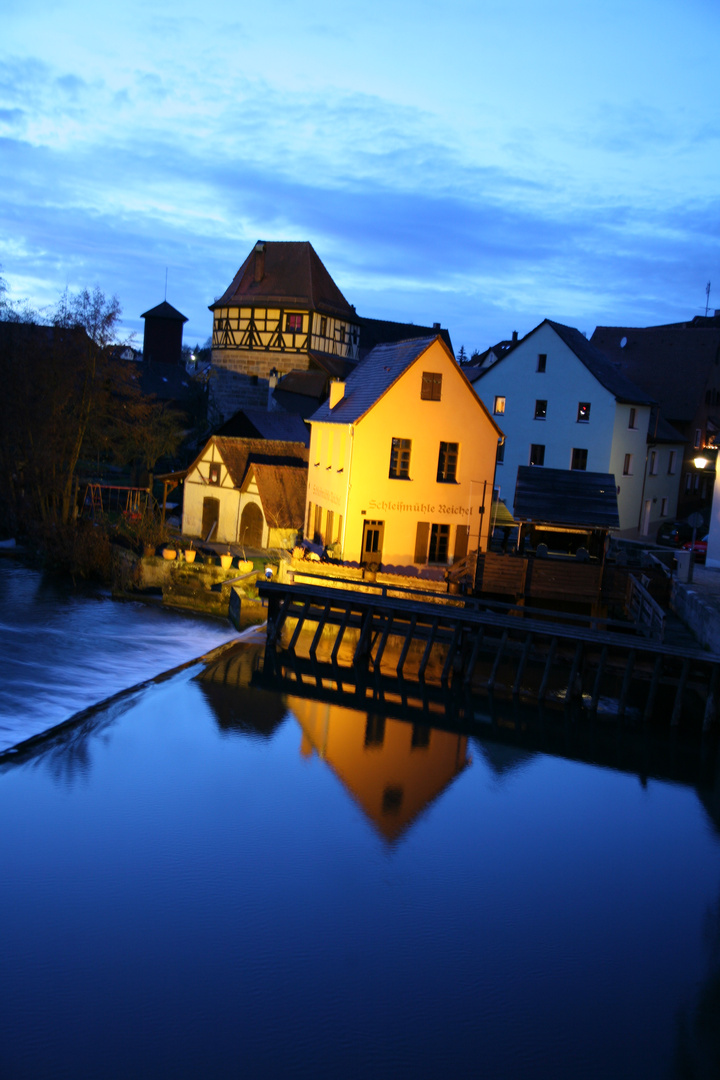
(246, 491)
(282, 312)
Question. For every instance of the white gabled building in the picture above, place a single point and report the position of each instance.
(564, 405)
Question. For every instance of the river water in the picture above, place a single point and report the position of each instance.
(204, 877)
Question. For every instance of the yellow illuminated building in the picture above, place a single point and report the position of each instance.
(402, 460)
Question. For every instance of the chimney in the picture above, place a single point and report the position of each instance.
(514, 337)
(259, 261)
(337, 392)
(436, 326)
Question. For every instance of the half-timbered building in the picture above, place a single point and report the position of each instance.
(282, 312)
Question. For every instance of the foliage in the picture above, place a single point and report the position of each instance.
(81, 550)
(462, 356)
(66, 397)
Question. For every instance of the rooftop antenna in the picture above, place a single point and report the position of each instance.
(166, 269)
(707, 298)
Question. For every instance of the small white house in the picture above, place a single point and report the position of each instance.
(246, 491)
(563, 405)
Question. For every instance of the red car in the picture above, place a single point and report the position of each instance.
(700, 549)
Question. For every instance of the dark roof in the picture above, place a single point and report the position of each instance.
(238, 453)
(660, 431)
(670, 362)
(372, 377)
(335, 367)
(163, 311)
(273, 424)
(375, 332)
(289, 274)
(282, 493)
(597, 363)
(565, 497)
(166, 382)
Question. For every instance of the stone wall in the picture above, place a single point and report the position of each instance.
(230, 391)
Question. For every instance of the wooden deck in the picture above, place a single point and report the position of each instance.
(378, 642)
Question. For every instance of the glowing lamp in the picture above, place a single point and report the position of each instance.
(701, 462)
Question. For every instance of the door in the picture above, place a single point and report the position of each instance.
(647, 509)
(251, 526)
(210, 519)
(372, 541)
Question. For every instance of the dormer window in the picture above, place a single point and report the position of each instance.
(293, 324)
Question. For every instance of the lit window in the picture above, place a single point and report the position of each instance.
(537, 454)
(671, 462)
(447, 463)
(542, 362)
(540, 410)
(214, 477)
(400, 459)
(293, 323)
(431, 389)
(653, 463)
(439, 543)
(499, 408)
(583, 412)
(627, 465)
(633, 415)
(579, 459)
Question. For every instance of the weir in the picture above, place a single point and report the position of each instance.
(389, 641)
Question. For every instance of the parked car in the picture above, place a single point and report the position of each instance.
(674, 534)
(700, 549)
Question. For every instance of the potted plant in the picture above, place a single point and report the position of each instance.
(226, 560)
(190, 553)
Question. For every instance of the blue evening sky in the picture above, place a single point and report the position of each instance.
(483, 164)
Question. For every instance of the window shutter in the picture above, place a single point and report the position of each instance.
(461, 542)
(421, 541)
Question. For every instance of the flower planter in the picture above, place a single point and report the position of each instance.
(226, 561)
(190, 554)
(245, 566)
(169, 554)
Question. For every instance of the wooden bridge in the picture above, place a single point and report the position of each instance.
(386, 640)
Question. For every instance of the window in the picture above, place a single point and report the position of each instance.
(671, 462)
(420, 737)
(323, 326)
(431, 388)
(318, 533)
(653, 463)
(329, 526)
(663, 507)
(540, 410)
(501, 453)
(439, 543)
(400, 459)
(499, 408)
(421, 541)
(447, 463)
(537, 454)
(293, 323)
(583, 412)
(579, 459)
(542, 362)
(632, 422)
(698, 438)
(627, 465)
(688, 482)
(374, 730)
(214, 477)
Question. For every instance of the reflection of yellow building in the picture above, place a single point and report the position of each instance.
(393, 769)
(402, 460)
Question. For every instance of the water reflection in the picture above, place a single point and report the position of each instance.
(392, 769)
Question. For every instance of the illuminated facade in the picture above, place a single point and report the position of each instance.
(402, 458)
